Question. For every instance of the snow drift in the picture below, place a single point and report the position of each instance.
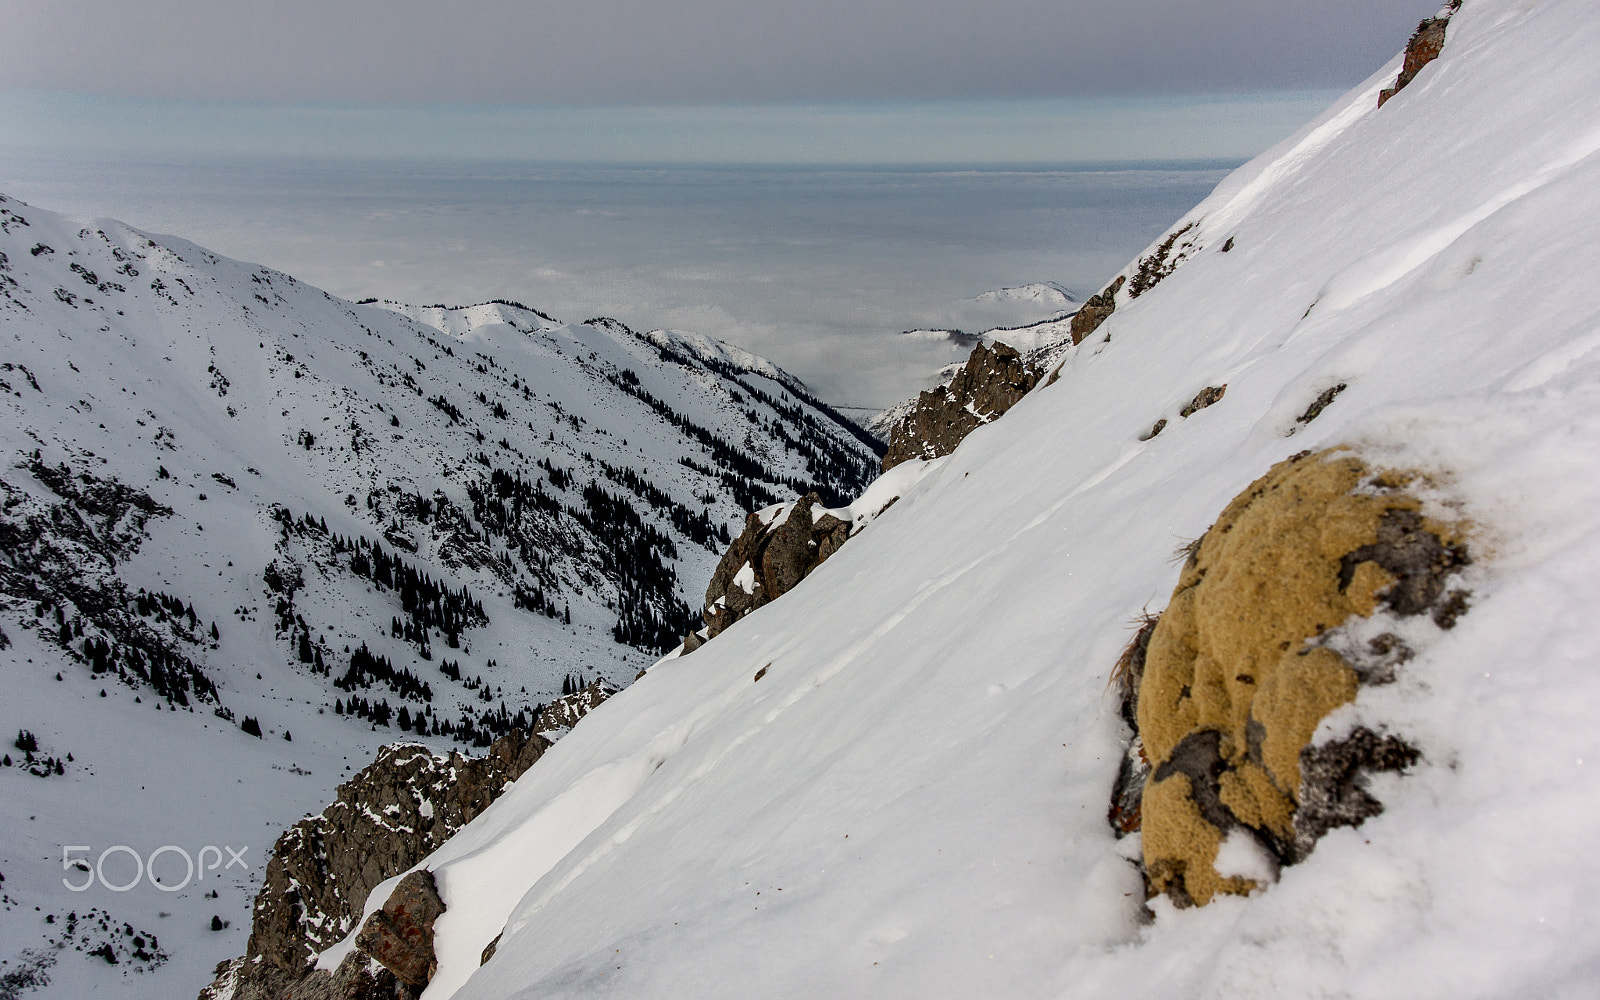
(893, 782)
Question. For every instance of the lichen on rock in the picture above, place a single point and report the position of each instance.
(1237, 674)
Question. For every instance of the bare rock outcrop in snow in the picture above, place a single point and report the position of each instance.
(1287, 605)
(385, 820)
(783, 544)
(400, 936)
(776, 550)
(991, 382)
(1095, 311)
(1425, 45)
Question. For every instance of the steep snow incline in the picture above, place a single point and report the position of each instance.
(225, 495)
(910, 801)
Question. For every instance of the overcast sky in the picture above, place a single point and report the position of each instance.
(691, 51)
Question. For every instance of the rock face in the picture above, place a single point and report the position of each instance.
(1094, 312)
(1425, 45)
(1278, 618)
(385, 819)
(991, 382)
(778, 548)
(388, 817)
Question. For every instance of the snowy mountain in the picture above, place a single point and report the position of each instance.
(1044, 294)
(895, 780)
(299, 528)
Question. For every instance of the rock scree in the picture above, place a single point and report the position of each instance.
(1256, 647)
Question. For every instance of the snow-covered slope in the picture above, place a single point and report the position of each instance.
(893, 781)
(227, 496)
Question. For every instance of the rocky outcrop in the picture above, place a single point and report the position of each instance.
(1279, 617)
(1162, 261)
(565, 712)
(1208, 396)
(778, 548)
(385, 819)
(399, 937)
(991, 382)
(1095, 311)
(1425, 45)
(358, 977)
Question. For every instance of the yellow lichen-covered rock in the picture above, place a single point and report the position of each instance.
(1235, 680)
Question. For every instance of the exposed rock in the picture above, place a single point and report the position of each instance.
(1127, 793)
(777, 549)
(1204, 398)
(1425, 45)
(1334, 783)
(1322, 402)
(1252, 653)
(399, 937)
(564, 712)
(991, 382)
(388, 817)
(358, 977)
(1094, 312)
(490, 948)
(1157, 267)
(385, 819)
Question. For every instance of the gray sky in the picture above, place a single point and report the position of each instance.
(690, 51)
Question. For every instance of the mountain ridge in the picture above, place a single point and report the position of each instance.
(301, 527)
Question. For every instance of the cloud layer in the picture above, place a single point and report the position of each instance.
(621, 51)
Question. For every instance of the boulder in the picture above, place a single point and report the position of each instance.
(1255, 649)
(399, 937)
(1094, 312)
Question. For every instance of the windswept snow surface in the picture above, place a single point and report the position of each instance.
(911, 800)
